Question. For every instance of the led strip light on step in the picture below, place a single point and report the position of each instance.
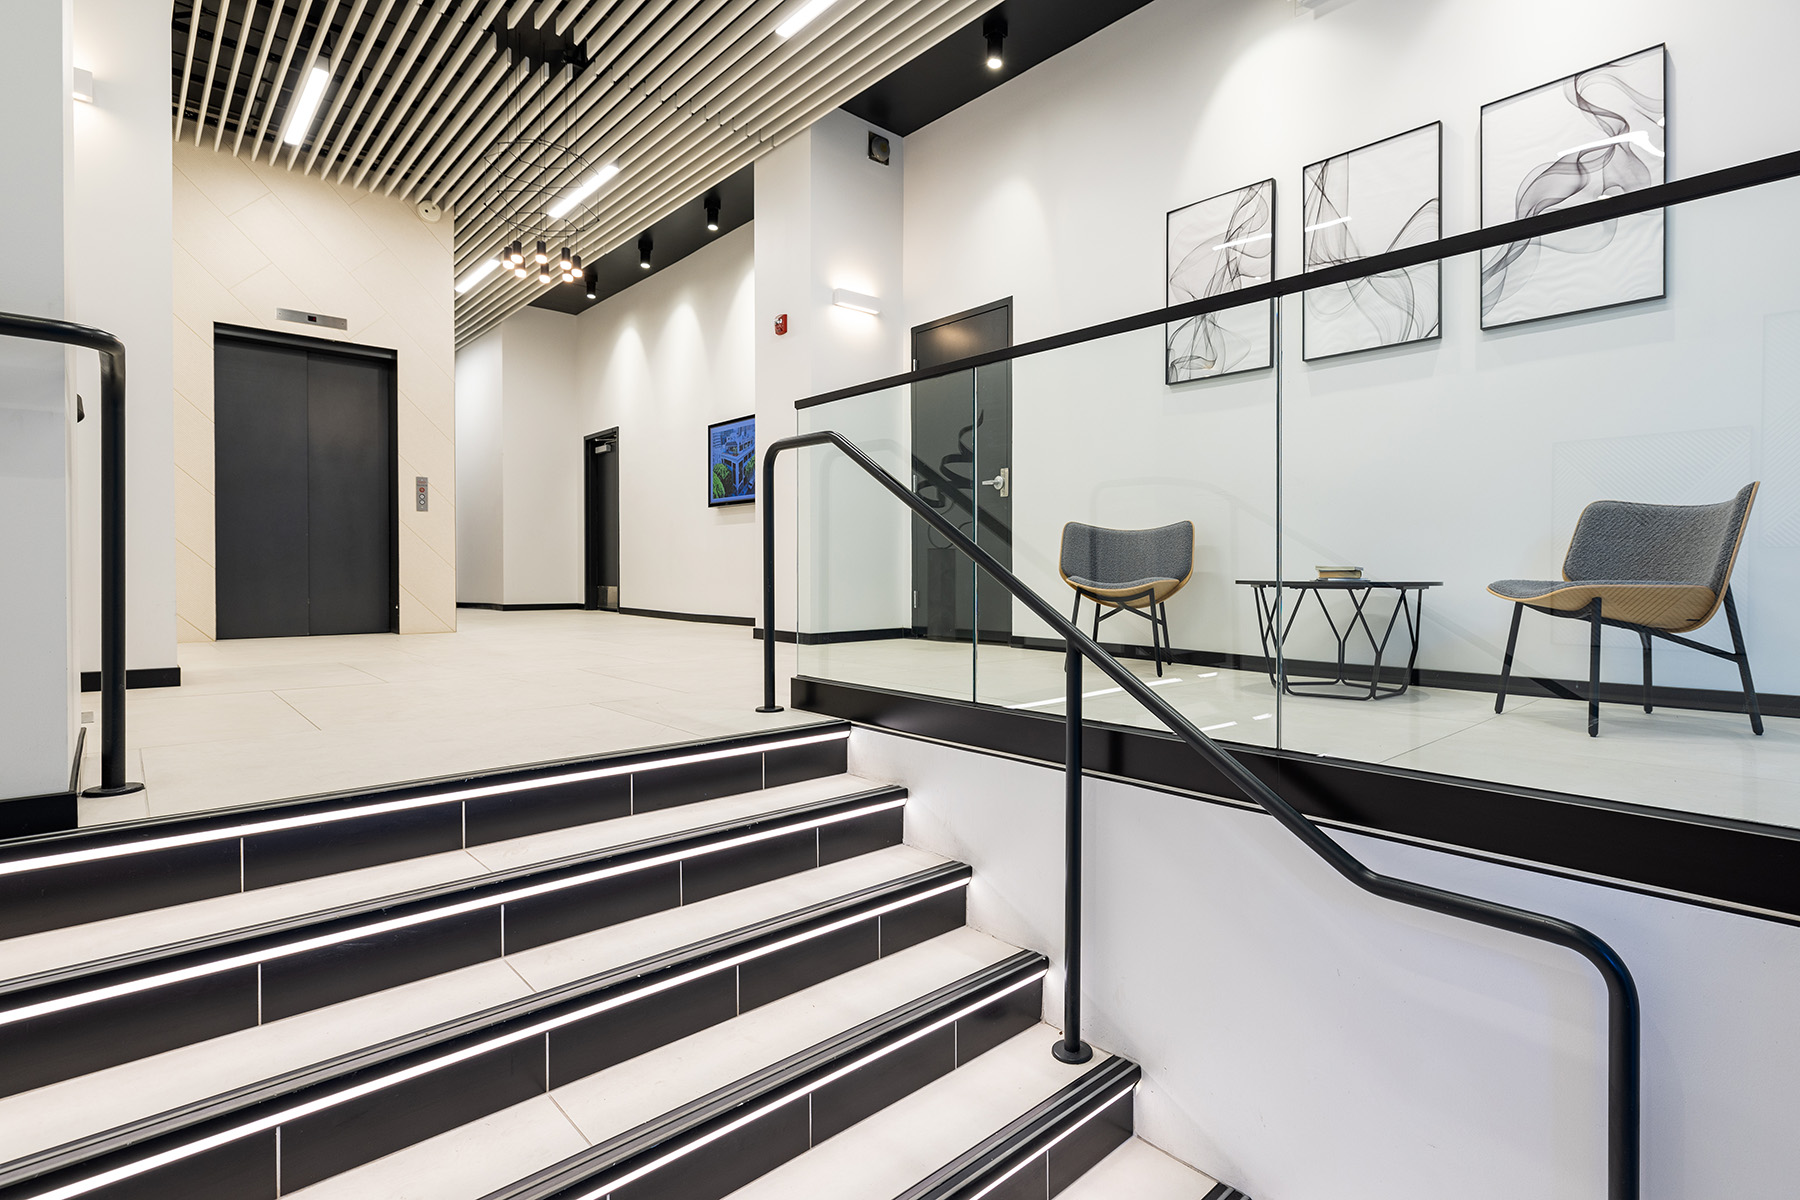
(1057, 1140)
(639, 1172)
(224, 1137)
(278, 824)
(112, 991)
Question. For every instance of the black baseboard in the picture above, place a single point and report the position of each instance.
(137, 677)
(835, 638)
(1742, 866)
(53, 812)
(1528, 687)
(514, 607)
(703, 618)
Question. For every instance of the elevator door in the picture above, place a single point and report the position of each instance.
(304, 498)
(962, 465)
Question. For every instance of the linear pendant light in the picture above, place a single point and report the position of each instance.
(802, 17)
(567, 202)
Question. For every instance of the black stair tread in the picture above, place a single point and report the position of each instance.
(882, 1156)
(62, 1112)
(474, 1159)
(1139, 1171)
(54, 948)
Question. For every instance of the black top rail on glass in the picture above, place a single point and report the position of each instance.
(1622, 997)
(112, 530)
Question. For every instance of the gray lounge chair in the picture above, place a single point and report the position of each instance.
(1659, 570)
(1129, 570)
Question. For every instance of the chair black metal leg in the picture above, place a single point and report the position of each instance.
(1594, 670)
(1743, 661)
(1512, 639)
(1159, 638)
(1645, 638)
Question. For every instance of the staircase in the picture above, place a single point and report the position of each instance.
(706, 970)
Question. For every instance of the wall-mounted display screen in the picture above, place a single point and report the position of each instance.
(731, 462)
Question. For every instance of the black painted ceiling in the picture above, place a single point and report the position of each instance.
(955, 71)
(675, 236)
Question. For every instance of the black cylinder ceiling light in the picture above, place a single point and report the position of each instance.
(712, 212)
(645, 245)
(994, 29)
(592, 278)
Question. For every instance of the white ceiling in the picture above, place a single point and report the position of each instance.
(677, 93)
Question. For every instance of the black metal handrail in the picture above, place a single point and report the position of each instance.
(112, 530)
(1622, 1016)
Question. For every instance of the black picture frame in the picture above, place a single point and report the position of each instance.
(1168, 271)
(740, 487)
(1481, 165)
(1437, 334)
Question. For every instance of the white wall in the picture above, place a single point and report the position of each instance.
(1302, 1040)
(121, 259)
(251, 238)
(662, 360)
(1463, 460)
(542, 460)
(480, 494)
(828, 217)
(37, 683)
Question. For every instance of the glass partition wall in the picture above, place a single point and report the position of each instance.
(1419, 458)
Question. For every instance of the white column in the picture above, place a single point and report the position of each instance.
(37, 699)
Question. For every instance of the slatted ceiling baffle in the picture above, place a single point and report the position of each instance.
(677, 93)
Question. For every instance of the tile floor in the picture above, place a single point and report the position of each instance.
(270, 718)
(1707, 762)
(257, 720)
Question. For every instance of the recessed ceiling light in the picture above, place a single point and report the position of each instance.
(300, 117)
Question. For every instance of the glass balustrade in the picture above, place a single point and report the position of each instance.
(1416, 458)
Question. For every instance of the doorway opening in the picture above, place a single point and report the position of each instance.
(962, 466)
(600, 451)
(306, 493)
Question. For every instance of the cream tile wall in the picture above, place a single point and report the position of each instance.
(251, 238)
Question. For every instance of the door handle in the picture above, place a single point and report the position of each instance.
(1001, 483)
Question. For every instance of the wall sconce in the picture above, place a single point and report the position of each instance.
(856, 301)
(83, 87)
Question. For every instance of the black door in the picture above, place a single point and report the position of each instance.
(304, 497)
(962, 465)
(602, 490)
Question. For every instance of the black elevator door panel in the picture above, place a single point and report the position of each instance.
(348, 457)
(260, 490)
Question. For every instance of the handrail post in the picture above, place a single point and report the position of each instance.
(112, 578)
(766, 501)
(1072, 1049)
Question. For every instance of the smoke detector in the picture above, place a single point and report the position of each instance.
(430, 211)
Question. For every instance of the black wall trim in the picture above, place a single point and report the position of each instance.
(74, 893)
(788, 1130)
(514, 607)
(1092, 1106)
(344, 1135)
(835, 638)
(137, 677)
(1738, 865)
(1773, 704)
(704, 618)
(59, 1045)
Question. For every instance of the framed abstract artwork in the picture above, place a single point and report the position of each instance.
(1215, 246)
(1599, 132)
(1384, 196)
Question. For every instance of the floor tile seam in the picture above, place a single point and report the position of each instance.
(296, 711)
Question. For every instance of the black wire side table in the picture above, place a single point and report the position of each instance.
(1410, 605)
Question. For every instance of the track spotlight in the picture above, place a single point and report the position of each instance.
(994, 29)
(712, 212)
(593, 284)
(645, 245)
(542, 255)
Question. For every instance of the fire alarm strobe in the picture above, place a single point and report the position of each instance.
(781, 325)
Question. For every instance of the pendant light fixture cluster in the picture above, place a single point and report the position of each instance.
(563, 269)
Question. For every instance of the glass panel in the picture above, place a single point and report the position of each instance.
(883, 601)
(1470, 463)
(1099, 439)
